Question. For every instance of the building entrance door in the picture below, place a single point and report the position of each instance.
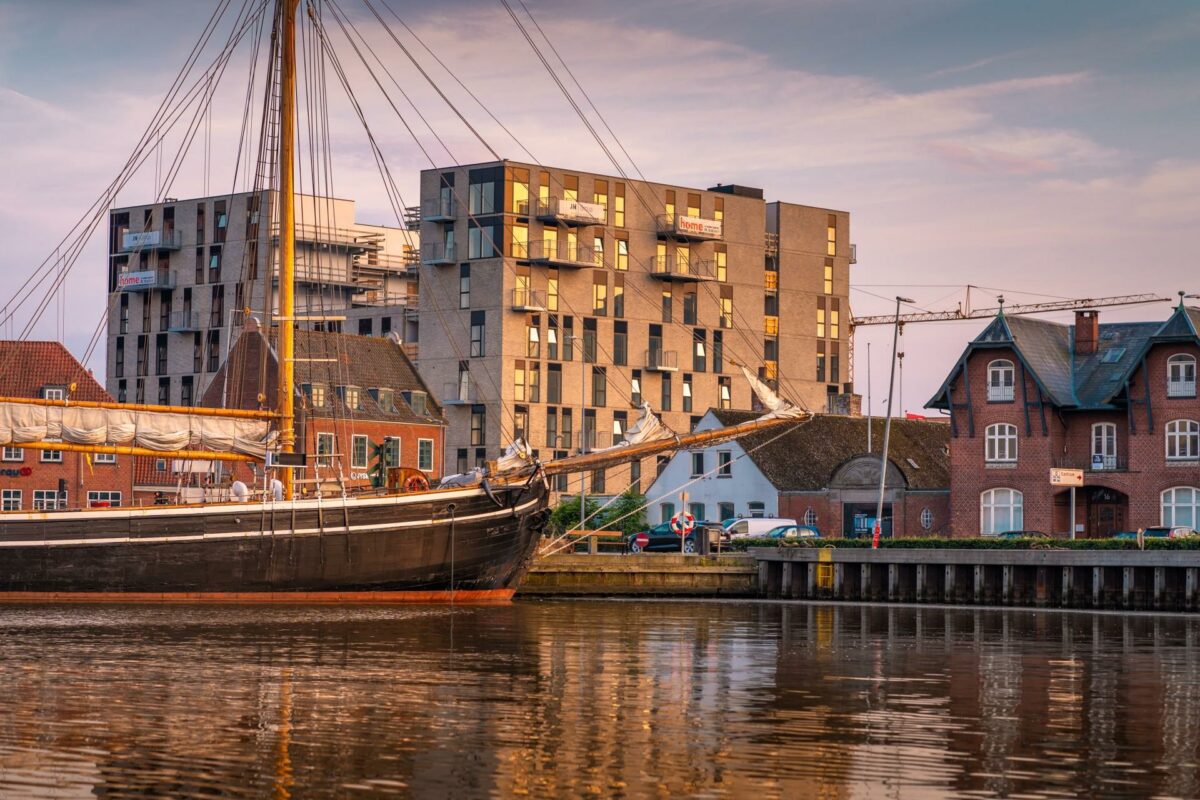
(1107, 511)
(858, 519)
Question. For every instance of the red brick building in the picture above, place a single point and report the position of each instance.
(1116, 400)
(32, 479)
(352, 393)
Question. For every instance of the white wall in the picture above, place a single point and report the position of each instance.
(746, 485)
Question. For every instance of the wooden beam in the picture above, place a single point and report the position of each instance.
(127, 450)
(198, 411)
(1025, 399)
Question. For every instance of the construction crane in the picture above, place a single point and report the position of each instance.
(967, 312)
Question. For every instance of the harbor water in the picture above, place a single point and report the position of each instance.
(580, 698)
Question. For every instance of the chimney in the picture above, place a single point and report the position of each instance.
(1087, 331)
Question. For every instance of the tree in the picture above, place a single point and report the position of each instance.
(565, 516)
(627, 513)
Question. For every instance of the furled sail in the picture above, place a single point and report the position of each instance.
(517, 456)
(776, 406)
(648, 428)
(153, 430)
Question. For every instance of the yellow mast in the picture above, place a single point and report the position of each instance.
(287, 238)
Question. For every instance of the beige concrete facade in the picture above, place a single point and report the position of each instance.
(182, 271)
(699, 281)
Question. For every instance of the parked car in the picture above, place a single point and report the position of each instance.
(661, 539)
(754, 527)
(793, 532)
(1024, 535)
(1159, 532)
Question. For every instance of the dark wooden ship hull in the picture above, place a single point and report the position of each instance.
(461, 544)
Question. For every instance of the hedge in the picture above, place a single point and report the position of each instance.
(982, 543)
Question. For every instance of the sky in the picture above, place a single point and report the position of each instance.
(1037, 150)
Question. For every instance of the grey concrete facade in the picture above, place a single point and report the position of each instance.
(667, 287)
(182, 273)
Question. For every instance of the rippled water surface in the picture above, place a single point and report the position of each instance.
(588, 698)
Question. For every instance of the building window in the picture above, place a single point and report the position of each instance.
(666, 304)
(666, 511)
(697, 463)
(14, 454)
(104, 499)
(687, 393)
(598, 251)
(1181, 376)
(48, 500)
(725, 511)
(554, 383)
(551, 427)
(810, 518)
(724, 393)
(1183, 440)
(119, 358)
(598, 481)
(620, 354)
(635, 388)
(724, 464)
(391, 451)
(11, 500)
(552, 290)
(464, 285)
(481, 198)
(757, 509)
(324, 449)
(478, 321)
(618, 296)
(1001, 511)
(358, 452)
(926, 519)
(52, 456)
(589, 341)
(665, 404)
(104, 458)
(1104, 445)
(214, 350)
(186, 397)
(386, 400)
(425, 455)
(599, 386)
(635, 477)
(699, 348)
(352, 397)
(619, 205)
(622, 262)
(316, 395)
(820, 322)
(831, 237)
(721, 262)
(727, 308)
(1001, 443)
(1181, 506)
(1001, 377)
(718, 351)
(829, 276)
(689, 307)
(461, 464)
(519, 380)
(478, 416)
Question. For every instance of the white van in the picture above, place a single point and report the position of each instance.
(754, 527)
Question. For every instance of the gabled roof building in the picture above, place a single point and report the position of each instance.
(1116, 400)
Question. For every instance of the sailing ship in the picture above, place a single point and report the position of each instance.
(471, 538)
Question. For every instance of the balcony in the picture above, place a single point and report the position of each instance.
(151, 240)
(571, 212)
(1000, 393)
(1094, 463)
(438, 254)
(1181, 388)
(555, 254)
(661, 361)
(146, 280)
(183, 322)
(528, 300)
(853, 254)
(456, 394)
(670, 268)
(696, 229)
(443, 209)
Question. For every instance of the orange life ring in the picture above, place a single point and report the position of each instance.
(416, 483)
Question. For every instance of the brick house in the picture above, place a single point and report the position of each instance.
(821, 473)
(32, 479)
(352, 393)
(1117, 400)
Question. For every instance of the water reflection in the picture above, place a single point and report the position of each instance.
(610, 699)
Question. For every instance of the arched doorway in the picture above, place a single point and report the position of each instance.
(1107, 511)
(855, 484)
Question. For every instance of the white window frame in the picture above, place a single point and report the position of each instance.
(104, 458)
(698, 463)
(724, 463)
(1171, 501)
(757, 509)
(421, 462)
(1182, 440)
(54, 393)
(1181, 375)
(14, 454)
(48, 500)
(387, 441)
(810, 517)
(991, 501)
(51, 456)
(1104, 444)
(1000, 443)
(325, 458)
(366, 451)
(926, 519)
(998, 390)
(102, 496)
(10, 500)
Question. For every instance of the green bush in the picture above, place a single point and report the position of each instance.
(630, 502)
(565, 516)
(977, 543)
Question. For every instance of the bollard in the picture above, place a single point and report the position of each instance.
(978, 583)
(948, 591)
(785, 580)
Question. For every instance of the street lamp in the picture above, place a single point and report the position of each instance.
(887, 426)
(569, 340)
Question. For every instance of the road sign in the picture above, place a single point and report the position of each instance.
(642, 539)
(1066, 477)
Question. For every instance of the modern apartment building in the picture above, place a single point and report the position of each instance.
(182, 272)
(554, 302)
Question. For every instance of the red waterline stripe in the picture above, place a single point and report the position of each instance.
(380, 598)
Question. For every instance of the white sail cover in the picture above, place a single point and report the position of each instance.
(153, 430)
(648, 428)
(777, 407)
(517, 456)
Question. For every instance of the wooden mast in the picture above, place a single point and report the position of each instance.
(287, 237)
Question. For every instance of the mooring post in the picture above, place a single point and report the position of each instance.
(763, 567)
(893, 582)
(1068, 589)
(978, 583)
(1006, 584)
(1160, 587)
(839, 575)
(1126, 586)
(864, 581)
(785, 580)
(810, 584)
(951, 572)
(1191, 582)
(1097, 587)
(919, 589)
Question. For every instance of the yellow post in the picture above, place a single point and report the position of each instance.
(287, 239)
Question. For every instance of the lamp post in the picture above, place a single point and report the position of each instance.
(570, 339)
(887, 426)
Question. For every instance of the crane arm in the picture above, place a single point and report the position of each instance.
(1021, 308)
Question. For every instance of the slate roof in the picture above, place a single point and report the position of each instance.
(1070, 379)
(25, 367)
(331, 359)
(805, 458)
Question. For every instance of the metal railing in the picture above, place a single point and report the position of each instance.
(853, 253)
(1181, 388)
(674, 268)
(442, 209)
(437, 253)
(151, 240)
(1000, 393)
(661, 360)
(1093, 463)
(689, 227)
(146, 280)
(528, 300)
(560, 253)
(183, 321)
(576, 212)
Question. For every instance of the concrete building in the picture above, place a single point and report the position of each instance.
(554, 302)
(181, 272)
(1115, 400)
(821, 473)
(47, 479)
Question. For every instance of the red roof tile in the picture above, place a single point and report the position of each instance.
(27, 367)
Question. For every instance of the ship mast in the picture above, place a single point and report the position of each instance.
(287, 237)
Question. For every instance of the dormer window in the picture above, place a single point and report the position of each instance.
(316, 394)
(386, 399)
(1181, 376)
(350, 397)
(57, 392)
(418, 402)
(1001, 377)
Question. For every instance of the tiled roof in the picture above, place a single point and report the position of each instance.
(329, 359)
(1071, 379)
(805, 458)
(25, 367)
